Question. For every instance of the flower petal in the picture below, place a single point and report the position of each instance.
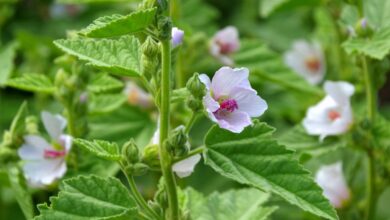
(248, 101)
(33, 148)
(205, 80)
(54, 124)
(66, 142)
(339, 91)
(226, 79)
(44, 171)
(185, 167)
(235, 122)
(177, 36)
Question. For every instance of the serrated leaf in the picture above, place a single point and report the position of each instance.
(7, 56)
(100, 148)
(90, 198)
(376, 47)
(253, 157)
(117, 25)
(105, 103)
(104, 83)
(267, 65)
(32, 83)
(120, 56)
(243, 204)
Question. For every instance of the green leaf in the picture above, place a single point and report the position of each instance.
(377, 47)
(267, 65)
(19, 187)
(253, 157)
(104, 83)
(267, 7)
(120, 56)
(7, 56)
(90, 198)
(377, 13)
(32, 83)
(98, 104)
(102, 149)
(117, 25)
(243, 204)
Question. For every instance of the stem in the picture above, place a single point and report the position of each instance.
(191, 122)
(371, 188)
(137, 196)
(370, 95)
(166, 161)
(191, 153)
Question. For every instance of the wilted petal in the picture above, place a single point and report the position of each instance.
(54, 124)
(185, 167)
(226, 79)
(248, 101)
(177, 36)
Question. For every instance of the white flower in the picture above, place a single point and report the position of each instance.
(183, 168)
(332, 115)
(307, 60)
(224, 43)
(331, 179)
(137, 96)
(44, 162)
(230, 100)
(177, 36)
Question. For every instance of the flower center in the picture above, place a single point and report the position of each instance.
(333, 115)
(226, 106)
(313, 64)
(224, 48)
(53, 154)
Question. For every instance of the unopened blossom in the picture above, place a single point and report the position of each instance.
(332, 115)
(331, 179)
(177, 36)
(307, 60)
(183, 168)
(44, 162)
(230, 100)
(137, 96)
(224, 43)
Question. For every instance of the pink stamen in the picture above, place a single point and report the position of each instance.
(224, 48)
(53, 154)
(313, 64)
(333, 115)
(226, 107)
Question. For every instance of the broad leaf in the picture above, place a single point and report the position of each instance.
(32, 83)
(117, 25)
(377, 13)
(102, 149)
(104, 83)
(105, 103)
(91, 198)
(7, 56)
(253, 157)
(120, 56)
(377, 47)
(243, 204)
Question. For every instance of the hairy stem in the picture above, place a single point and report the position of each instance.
(165, 158)
(191, 122)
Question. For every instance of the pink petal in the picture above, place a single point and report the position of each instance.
(54, 124)
(205, 80)
(226, 79)
(177, 36)
(185, 167)
(248, 101)
(33, 148)
(235, 122)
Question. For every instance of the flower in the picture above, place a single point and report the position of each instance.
(332, 115)
(44, 162)
(137, 96)
(183, 168)
(177, 36)
(230, 100)
(307, 60)
(331, 179)
(224, 43)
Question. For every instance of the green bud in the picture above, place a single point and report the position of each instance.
(137, 169)
(7, 155)
(130, 152)
(150, 48)
(194, 104)
(151, 156)
(164, 27)
(362, 28)
(178, 138)
(64, 60)
(150, 57)
(196, 87)
(32, 125)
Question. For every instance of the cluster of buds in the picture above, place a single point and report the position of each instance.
(178, 142)
(132, 159)
(197, 90)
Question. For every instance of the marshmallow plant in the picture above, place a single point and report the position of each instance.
(109, 165)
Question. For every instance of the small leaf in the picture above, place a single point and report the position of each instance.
(32, 83)
(377, 47)
(267, 7)
(7, 56)
(104, 83)
(105, 103)
(253, 157)
(117, 25)
(92, 198)
(243, 204)
(120, 56)
(102, 149)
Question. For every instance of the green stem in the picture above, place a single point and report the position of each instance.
(166, 160)
(370, 93)
(371, 188)
(137, 196)
(191, 122)
(198, 150)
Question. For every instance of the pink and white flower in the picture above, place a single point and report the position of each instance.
(332, 115)
(230, 100)
(137, 96)
(307, 60)
(331, 179)
(224, 43)
(44, 162)
(177, 36)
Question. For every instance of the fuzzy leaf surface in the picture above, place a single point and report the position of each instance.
(32, 83)
(102, 149)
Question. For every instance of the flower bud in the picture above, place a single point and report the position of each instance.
(151, 157)
(7, 155)
(32, 125)
(150, 57)
(196, 87)
(130, 152)
(177, 36)
(178, 137)
(194, 104)
(165, 28)
(137, 169)
(362, 28)
(150, 48)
